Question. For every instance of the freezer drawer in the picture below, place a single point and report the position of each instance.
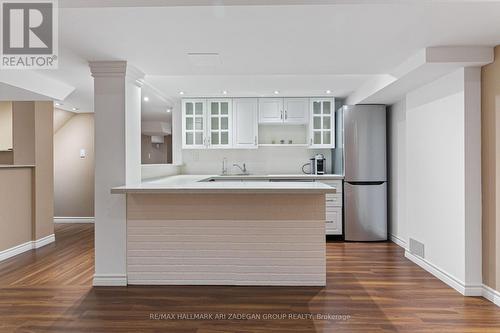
(365, 209)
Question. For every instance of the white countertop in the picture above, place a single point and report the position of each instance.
(11, 166)
(282, 176)
(231, 184)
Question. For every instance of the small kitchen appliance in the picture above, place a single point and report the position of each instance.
(317, 165)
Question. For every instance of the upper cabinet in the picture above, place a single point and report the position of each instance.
(234, 122)
(270, 110)
(283, 110)
(219, 123)
(193, 123)
(206, 123)
(245, 119)
(296, 110)
(322, 129)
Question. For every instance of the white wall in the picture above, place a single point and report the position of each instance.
(264, 160)
(151, 171)
(396, 138)
(435, 176)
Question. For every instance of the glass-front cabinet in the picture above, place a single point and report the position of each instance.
(206, 123)
(193, 123)
(321, 127)
(219, 115)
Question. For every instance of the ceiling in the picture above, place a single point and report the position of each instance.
(154, 106)
(286, 46)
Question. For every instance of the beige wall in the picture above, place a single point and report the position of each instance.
(26, 194)
(44, 169)
(73, 176)
(6, 157)
(33, 134)
(61, 117)
(5, 125)
(15, 207)
(23, 132)
(490, 142)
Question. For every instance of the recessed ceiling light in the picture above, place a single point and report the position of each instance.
(276, 92)
(146, 99)
(58, 104)
(328, 91)
(75, 109)
(181, 92)
(224, 92)
(169, 110)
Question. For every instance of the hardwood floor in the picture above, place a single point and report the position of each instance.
(371, 288)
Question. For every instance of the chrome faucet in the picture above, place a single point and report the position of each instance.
(244, 170)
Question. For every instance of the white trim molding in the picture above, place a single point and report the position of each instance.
(491, 295)
(24, 247)
(398, 241)
(44, 241)
(458, 285)
(66, 219)
(103, 280)
(14, 251)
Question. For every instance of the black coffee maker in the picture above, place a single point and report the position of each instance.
(317, 165)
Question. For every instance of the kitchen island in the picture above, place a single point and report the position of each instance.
(194, 230)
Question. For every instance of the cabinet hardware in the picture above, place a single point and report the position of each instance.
(311, 141)
(281, 114)
(255, 140)
(286, 116)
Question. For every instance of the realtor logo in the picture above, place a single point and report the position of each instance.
(29, 34)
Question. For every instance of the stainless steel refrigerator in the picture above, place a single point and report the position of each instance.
(365, 171)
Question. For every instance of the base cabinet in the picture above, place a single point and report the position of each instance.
(333, 207)
(334, 221)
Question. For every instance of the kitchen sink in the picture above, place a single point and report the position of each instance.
(235, 178)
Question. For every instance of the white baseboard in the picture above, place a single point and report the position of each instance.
(104, 280)
(65, 219)
(44, 241)
(458, 285)
(14, 251)
(491, 295)
(399, 241)
(31, 245)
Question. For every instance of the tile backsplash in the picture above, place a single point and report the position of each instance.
(264, 160)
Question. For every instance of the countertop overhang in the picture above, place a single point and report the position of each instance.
(13, 166)
(189, 184)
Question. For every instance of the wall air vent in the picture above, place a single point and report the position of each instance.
(417, 248)
(204, 59)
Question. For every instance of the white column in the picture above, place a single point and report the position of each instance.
(117, 107)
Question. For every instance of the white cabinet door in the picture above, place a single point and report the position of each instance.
(219, 123)
(193, 123)
(245, 119)
(296, 110)
(270, 110)
(322, 123)
(333, 224)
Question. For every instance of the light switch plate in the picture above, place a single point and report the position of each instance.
(83, 153)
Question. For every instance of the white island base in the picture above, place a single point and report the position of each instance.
(226, 239)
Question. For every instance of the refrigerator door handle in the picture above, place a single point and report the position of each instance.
(366, 183)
